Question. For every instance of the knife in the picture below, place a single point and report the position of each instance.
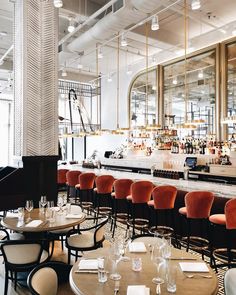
(85, 271)
(182, 258)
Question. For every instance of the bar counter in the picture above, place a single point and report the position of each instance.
(220, 190)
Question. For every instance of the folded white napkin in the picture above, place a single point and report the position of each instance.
(137, 247)
(74, 215)
(88, 264)
(12, 215)
(193, 266)
(138, 290)
(34, 223)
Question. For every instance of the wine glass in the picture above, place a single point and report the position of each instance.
(60, 203)
(43, 202)
(115, 257)
(125, 244)
(29, 206)
(159, 262)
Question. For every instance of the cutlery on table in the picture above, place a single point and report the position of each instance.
(190, 276)
(182, 258)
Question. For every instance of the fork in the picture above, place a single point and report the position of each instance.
(116, 288)
(197, 275)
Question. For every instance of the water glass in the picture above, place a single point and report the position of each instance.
(29, 206)
(171, 278)
(21, 213)
(136, 264)
(166, 250)
(52, 215)
(102, 273)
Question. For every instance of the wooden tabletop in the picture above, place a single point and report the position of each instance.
(87, 283)
(61, 222)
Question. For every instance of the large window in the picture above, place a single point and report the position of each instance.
(143, 99)
(189, 94)
(231, 86)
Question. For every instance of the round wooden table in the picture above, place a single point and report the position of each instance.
(87, 283)
(61, 222)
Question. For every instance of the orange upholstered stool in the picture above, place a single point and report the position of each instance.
(122, 189)
(163, 202)
(72, 178)
(85, 190)
(102, 194)
(198, 207)
(140, 195)
(226, 256)
(61, 179)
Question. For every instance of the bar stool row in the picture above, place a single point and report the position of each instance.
(142, 206)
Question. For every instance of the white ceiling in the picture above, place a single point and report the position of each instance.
(212, 23)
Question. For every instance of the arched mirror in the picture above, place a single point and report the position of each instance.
(143, 99)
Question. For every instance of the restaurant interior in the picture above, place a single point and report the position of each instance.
(118, 147)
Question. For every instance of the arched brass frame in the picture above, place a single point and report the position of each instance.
(143, 72)
(224, 84)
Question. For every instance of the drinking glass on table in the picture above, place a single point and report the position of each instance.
(43, 201)
(159, 261)
(115, 254)
(125, 244)
(60, 203)
(29, 206)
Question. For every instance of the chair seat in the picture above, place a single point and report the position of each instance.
(44, 256)
(151, 203)
(84, 240)
(218, 219)
(183, 210)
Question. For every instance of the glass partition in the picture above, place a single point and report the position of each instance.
(143, 100)
(189, 94)
(231, 86)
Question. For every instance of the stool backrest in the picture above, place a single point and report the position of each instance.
(141, 191)
(164, 196)
(230, 214)
(104, 184)
(61, 176)
(122, 188)
(199, 204)
(86, 180)
(72, 177)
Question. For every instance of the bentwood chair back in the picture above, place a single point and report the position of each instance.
(20, 256)
(43, 280)
(122, 189)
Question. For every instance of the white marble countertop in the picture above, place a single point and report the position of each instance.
(222, 190)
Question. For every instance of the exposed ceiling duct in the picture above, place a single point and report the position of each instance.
(119, 19)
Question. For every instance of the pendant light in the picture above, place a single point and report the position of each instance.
(195, 4)
(123, 41)
(58, 3)
(155, 23)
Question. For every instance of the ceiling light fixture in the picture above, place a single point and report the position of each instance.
(109, 78)
(129, 71)
(64, 72)
(196, 4)
(175, 82)
(3, 34)
(234, 32)
(123, 41)
(71, 26)
(155, 23)
(200, 75)
(154, 87)
(100, 54)
(58, 3)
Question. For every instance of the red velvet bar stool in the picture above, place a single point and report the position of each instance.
(198, 207)
(140, 195)
(61, 179)
(72, 178)
(85, 190)
(122, 189)
(163, 202)
(102, 195)
(226, 256)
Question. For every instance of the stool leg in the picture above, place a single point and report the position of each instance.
(188, 233)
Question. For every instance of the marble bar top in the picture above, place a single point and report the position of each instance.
(222, 190)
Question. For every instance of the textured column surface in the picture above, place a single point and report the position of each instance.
(35, 78)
